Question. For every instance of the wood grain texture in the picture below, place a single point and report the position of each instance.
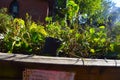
(13, 65)
(59, 60)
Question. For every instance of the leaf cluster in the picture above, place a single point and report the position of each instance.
(24, 37)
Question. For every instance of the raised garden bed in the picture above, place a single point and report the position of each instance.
(76, 42)
(13, 65)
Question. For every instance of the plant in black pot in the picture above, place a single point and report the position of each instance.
(60, 39)
(53, 40)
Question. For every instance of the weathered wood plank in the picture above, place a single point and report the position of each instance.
(13, 65)
(59, 60)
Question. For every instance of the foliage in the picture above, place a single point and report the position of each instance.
(72, 12)
(89, 7)
(85, 6)
(115, 33)
(116, 29)
(95, 42)
(26, 36)
(97, 11)
(5, 20)
(88, 42)
(61, 31)
(53, 28)
(22, 38)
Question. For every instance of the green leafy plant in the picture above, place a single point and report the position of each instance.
(90, 42)
(23, 38)
(115, 34)
(5, 20)
(97, 43)
(28, 37)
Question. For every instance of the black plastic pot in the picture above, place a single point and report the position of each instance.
(51, 46)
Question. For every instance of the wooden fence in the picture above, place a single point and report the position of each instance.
(12, 67)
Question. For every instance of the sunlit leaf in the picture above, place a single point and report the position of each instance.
(103, 40)
(112, 47)
(96, 39)
(102, 27)
(92, 50)
(92, 30)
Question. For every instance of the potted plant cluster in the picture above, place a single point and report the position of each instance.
(58, 38)
(61, 38)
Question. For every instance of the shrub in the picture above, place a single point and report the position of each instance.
(91, 42)
(28, 37)
(23, 38)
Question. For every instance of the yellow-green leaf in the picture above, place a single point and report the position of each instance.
(92, 30)
(92, 50)
(102, 27)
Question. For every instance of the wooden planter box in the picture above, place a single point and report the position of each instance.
(12, 66)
